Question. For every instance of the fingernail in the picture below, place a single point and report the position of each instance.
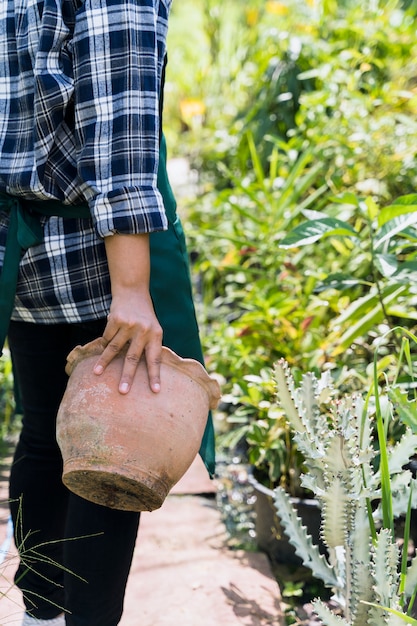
(156, 387)
(98, 369)
(124, 388)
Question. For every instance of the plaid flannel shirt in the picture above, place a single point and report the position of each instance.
(80, 84)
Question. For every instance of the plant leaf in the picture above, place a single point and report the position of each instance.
(401, 206)
(313, 230)
(403, 617)
(402, 452)
(302, 542)
(385, 559)
(406, 272)
(411, 579)
(285, 394)
(327, 617)
(335, 513)
(362, 326)
(338, 281)
(386, 264)
(358, 560)
(393, 227)
(346, 198)
(406, 409)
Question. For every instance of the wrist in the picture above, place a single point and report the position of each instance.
(128, 260)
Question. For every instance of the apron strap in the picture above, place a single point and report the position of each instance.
(25, 230)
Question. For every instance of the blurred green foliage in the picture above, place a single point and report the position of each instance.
(303, 235)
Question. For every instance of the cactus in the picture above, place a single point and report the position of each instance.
(337, 442)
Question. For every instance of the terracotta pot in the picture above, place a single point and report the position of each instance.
(128, 451)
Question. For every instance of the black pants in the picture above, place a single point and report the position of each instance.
(75, 555)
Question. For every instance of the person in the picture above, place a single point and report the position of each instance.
(90, 246)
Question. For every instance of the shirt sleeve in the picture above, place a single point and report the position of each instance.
(118, 52)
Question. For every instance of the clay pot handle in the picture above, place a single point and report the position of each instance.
(93, 348)
(196, 371)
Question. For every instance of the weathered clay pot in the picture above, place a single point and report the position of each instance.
(128, 451)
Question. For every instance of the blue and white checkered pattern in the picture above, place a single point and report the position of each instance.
(80, 82)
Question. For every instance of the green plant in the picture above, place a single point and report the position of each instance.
(361, 484)
(256, 420)
(251, 294)
(315, 120)
(353, 136)
(378, 249)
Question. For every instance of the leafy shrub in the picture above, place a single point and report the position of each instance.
(313, 127)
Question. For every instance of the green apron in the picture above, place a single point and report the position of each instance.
(170, 276)
(172, 296)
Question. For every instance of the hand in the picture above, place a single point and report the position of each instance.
(132, 322)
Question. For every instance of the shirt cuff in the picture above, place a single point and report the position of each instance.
(129, 211)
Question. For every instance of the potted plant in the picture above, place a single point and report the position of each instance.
(261, 437)
(362, 486)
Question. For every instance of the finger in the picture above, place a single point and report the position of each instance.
(153, 362)
(109, 334)
(130, 365)
(111, 349)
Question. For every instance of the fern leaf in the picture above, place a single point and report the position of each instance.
(301, 540)
(327, 617)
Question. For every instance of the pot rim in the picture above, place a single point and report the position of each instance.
(192, 368)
